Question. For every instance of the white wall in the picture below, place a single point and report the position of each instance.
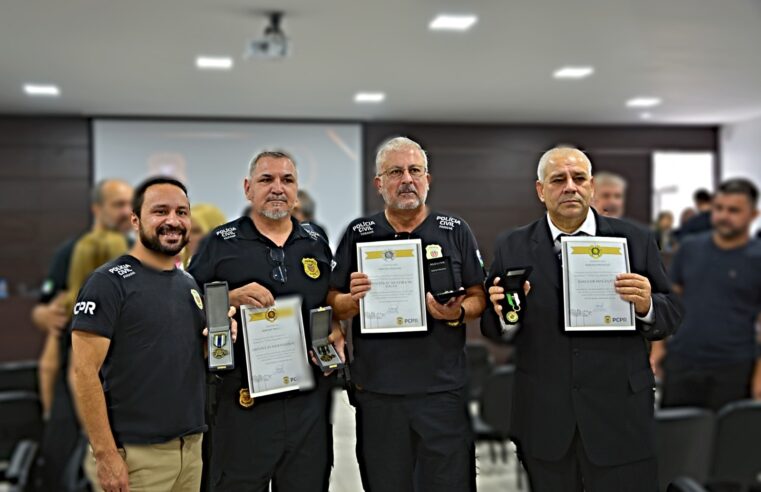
(740, 146)
(212, 159)
(676, 176)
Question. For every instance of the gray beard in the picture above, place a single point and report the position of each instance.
(420, 201)
(408, 205)
(275, 214)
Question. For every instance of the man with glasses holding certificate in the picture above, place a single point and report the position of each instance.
(583, 392)
(409, 352)
(283, 438)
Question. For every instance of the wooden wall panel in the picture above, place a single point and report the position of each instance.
(45, 175)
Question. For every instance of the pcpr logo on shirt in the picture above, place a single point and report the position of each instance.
(84, 307)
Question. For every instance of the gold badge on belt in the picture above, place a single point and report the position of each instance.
(244, 398)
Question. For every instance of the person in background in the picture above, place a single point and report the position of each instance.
(702, 220)
(92, 250)
(715, 357)
(110, 206)
(664, 231)
(304, 213)
(610, 194)
(210, 214)
(198, 230)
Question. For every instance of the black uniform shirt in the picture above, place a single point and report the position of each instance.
(418, 362)
(237, 253)
(154, 373)
(58, 274)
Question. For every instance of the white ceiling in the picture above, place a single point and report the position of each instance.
(136, 57)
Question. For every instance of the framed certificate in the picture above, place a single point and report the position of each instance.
(396, 301)
(276, 354)
(590, 301)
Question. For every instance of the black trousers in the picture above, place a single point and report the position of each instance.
(284, 438)
(574, 472)
(689, 384)
(419, 443)
(62, 432)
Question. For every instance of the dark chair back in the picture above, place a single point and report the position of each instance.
(20, 418)
(496, 399)
(737, 450)
(684, 484)
(19, 376)
(683, 443)
(480, 366)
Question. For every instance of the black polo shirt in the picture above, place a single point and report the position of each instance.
(154, 373)
(238, 253)
(419, 362)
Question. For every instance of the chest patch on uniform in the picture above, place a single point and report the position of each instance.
(433, 251)
(448, 223)
(227, 233)
(197, 298)
(310, 267)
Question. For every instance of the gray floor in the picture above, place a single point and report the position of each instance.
(493, 476)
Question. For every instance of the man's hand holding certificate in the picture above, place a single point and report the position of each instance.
(275, 344)
(598, 289)
(396, 302)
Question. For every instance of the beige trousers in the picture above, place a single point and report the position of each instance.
(171, 466)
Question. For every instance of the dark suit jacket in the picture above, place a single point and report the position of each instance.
(600, 383)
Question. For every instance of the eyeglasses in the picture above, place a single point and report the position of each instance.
(279, 273)
(416, 172)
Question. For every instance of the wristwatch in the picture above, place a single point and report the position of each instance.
(458, 321)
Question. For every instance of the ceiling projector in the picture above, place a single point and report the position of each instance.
(274, 43)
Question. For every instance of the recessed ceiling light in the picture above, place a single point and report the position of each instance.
(448, 22)
(643, 102)
(45, 90)
(646, 115)
(369, 97)
(573, 72)
(214, 63)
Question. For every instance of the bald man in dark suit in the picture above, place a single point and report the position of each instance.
(582, 402)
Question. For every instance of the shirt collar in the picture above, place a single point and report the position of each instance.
(247, 229)
(589, 226)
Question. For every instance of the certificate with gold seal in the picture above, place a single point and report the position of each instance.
(590, 267)
(396, 300)
(276, 354)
